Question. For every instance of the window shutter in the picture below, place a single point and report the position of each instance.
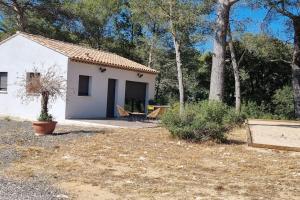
(83, 88)
(31, 86)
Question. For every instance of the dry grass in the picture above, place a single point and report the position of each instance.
(148, 164)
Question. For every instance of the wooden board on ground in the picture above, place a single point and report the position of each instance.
(274, 134)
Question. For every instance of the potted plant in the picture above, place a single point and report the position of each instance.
(46, 86)
(45, 124)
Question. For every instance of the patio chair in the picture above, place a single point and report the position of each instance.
(155, 114)
(150, 108)
(122, 112)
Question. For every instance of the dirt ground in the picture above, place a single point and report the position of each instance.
(149, 164)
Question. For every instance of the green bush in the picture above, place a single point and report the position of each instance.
(283, 100)
(7, 118)
(282, 106)
(44, 117)
(201, 121)
(252, 110)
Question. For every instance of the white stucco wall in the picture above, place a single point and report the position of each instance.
(94, 106)
(19, 55)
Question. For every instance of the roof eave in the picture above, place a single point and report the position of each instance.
(8, 38)
(151, 71)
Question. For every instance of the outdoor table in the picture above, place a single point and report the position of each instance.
(163, 108)
(158, 106)
(137, 115)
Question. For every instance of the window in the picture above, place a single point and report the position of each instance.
(84, 85)
(3, 81)
(32, 82)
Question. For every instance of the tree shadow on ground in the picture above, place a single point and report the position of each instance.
(78, 132)
(235, 142)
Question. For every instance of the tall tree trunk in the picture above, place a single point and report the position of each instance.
(150, 53)
(236, 72)
(218, 63)
(178, 63)
(20, 12)
(152, 45)
(179, 75)
(44, 102)
(296, 66)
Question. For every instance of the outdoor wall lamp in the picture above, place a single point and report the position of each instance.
(140, 75)
(102, 69)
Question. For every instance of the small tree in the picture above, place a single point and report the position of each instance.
(236, 71)
(47, 85)
(183, 20)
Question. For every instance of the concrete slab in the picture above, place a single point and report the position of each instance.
(99, 123)
(111, 123)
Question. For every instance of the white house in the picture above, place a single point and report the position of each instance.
(97, 81)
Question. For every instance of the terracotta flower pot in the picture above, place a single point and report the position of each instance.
(43, 127)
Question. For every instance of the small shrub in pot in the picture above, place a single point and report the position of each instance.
(47, 86)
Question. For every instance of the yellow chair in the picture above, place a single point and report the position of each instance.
(150, 108)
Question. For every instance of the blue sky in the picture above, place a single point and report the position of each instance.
(256, 17)
(254, 25)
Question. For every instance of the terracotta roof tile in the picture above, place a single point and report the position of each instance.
(88, 55)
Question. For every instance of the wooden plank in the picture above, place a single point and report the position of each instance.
(268, 146)
(248, 132)
(272, 120)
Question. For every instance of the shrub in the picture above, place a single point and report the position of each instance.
(282, 106)
(252, 110)
(45, 84)
(45, 117)
(201, 121)
(283, 100)
(7, 118)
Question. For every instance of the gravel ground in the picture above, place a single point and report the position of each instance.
(21, 133)
(16, 133)
(28, 190)
(8, 155)
(16, 136)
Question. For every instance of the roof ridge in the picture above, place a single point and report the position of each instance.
(55, 40)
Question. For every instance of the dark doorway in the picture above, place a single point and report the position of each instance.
(135, 96)
(111, 95)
